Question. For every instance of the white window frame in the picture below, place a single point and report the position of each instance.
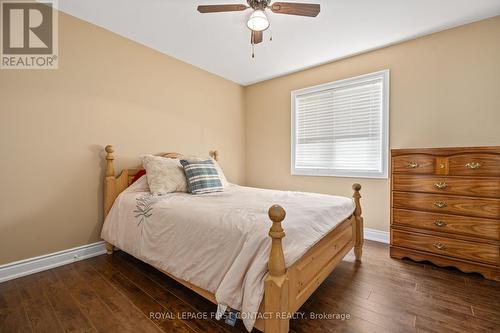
(384, 74)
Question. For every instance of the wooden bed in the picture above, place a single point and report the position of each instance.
(286, 289)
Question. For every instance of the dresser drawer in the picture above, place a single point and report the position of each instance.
(486, 253)
(480, 207)
(474, 164)
(481, 187)
(414, 164)
(455, 224)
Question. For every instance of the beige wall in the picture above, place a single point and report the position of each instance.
(445, 91)
(107, 90)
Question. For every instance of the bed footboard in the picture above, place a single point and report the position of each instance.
(287, 289)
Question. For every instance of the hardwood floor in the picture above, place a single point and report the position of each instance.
(121, 294)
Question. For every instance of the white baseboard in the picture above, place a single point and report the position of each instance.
(377, 235)
(37, 264)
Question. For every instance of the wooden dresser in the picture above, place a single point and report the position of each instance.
(445, 207)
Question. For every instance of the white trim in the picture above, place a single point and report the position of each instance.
(37, 264)
(384, 173)
(377, 235)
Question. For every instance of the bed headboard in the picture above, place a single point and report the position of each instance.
(114, 185)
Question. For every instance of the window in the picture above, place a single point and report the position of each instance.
(342, 128)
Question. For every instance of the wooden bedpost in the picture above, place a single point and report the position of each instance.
(214, 154)
(276, 292)
(358, 245)
(109, 187)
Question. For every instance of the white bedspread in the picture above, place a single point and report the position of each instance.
(220, 241)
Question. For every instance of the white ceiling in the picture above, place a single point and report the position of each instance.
(220, 42)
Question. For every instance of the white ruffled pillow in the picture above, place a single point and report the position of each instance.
(165, 175)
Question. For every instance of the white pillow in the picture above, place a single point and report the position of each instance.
(165, 175)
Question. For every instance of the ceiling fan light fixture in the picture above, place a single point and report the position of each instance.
(258, 21)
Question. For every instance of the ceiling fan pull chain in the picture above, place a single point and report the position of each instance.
(253, 50)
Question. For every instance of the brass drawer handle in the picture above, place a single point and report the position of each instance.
(473, 165)
(440, 204)
(440, 186)
(439, 246)
(413, 165)
(440, 223)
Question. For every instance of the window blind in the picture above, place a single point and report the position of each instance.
(339, 128)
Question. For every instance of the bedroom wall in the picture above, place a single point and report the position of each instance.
(107, 90)
(445, 91)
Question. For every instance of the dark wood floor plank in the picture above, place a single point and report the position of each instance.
(140, 299)
(117, 294)
(487, 315)
(39, 311)
(9, 295)
(13, 315)
(65, 307)
(13, 320)
(418, 307)
(102, 318)
(383, 293)
(459, 294)
(376, 314)
(426, 324)
(122, 307)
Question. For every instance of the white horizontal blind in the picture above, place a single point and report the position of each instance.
(339, 128)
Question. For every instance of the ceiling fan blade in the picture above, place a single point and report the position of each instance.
(256, 37)
(221, 8)
(293, 8)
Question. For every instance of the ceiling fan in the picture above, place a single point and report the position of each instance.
(258, 22)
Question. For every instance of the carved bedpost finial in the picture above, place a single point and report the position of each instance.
(358, 245)
(276, 301)
(276, 262)
(214, 154)
(110, 169)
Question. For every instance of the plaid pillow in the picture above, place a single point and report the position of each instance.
(202, 176)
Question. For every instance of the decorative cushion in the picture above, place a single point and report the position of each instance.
(165, 175)
(202, 176)
(222, 177)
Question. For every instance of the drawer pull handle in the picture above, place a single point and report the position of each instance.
(439, 246)
(440, 223)
(413, 165)
(473, 165)
(440, 186)
(440, 204)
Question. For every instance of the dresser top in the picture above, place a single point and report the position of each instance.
(446, 151)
